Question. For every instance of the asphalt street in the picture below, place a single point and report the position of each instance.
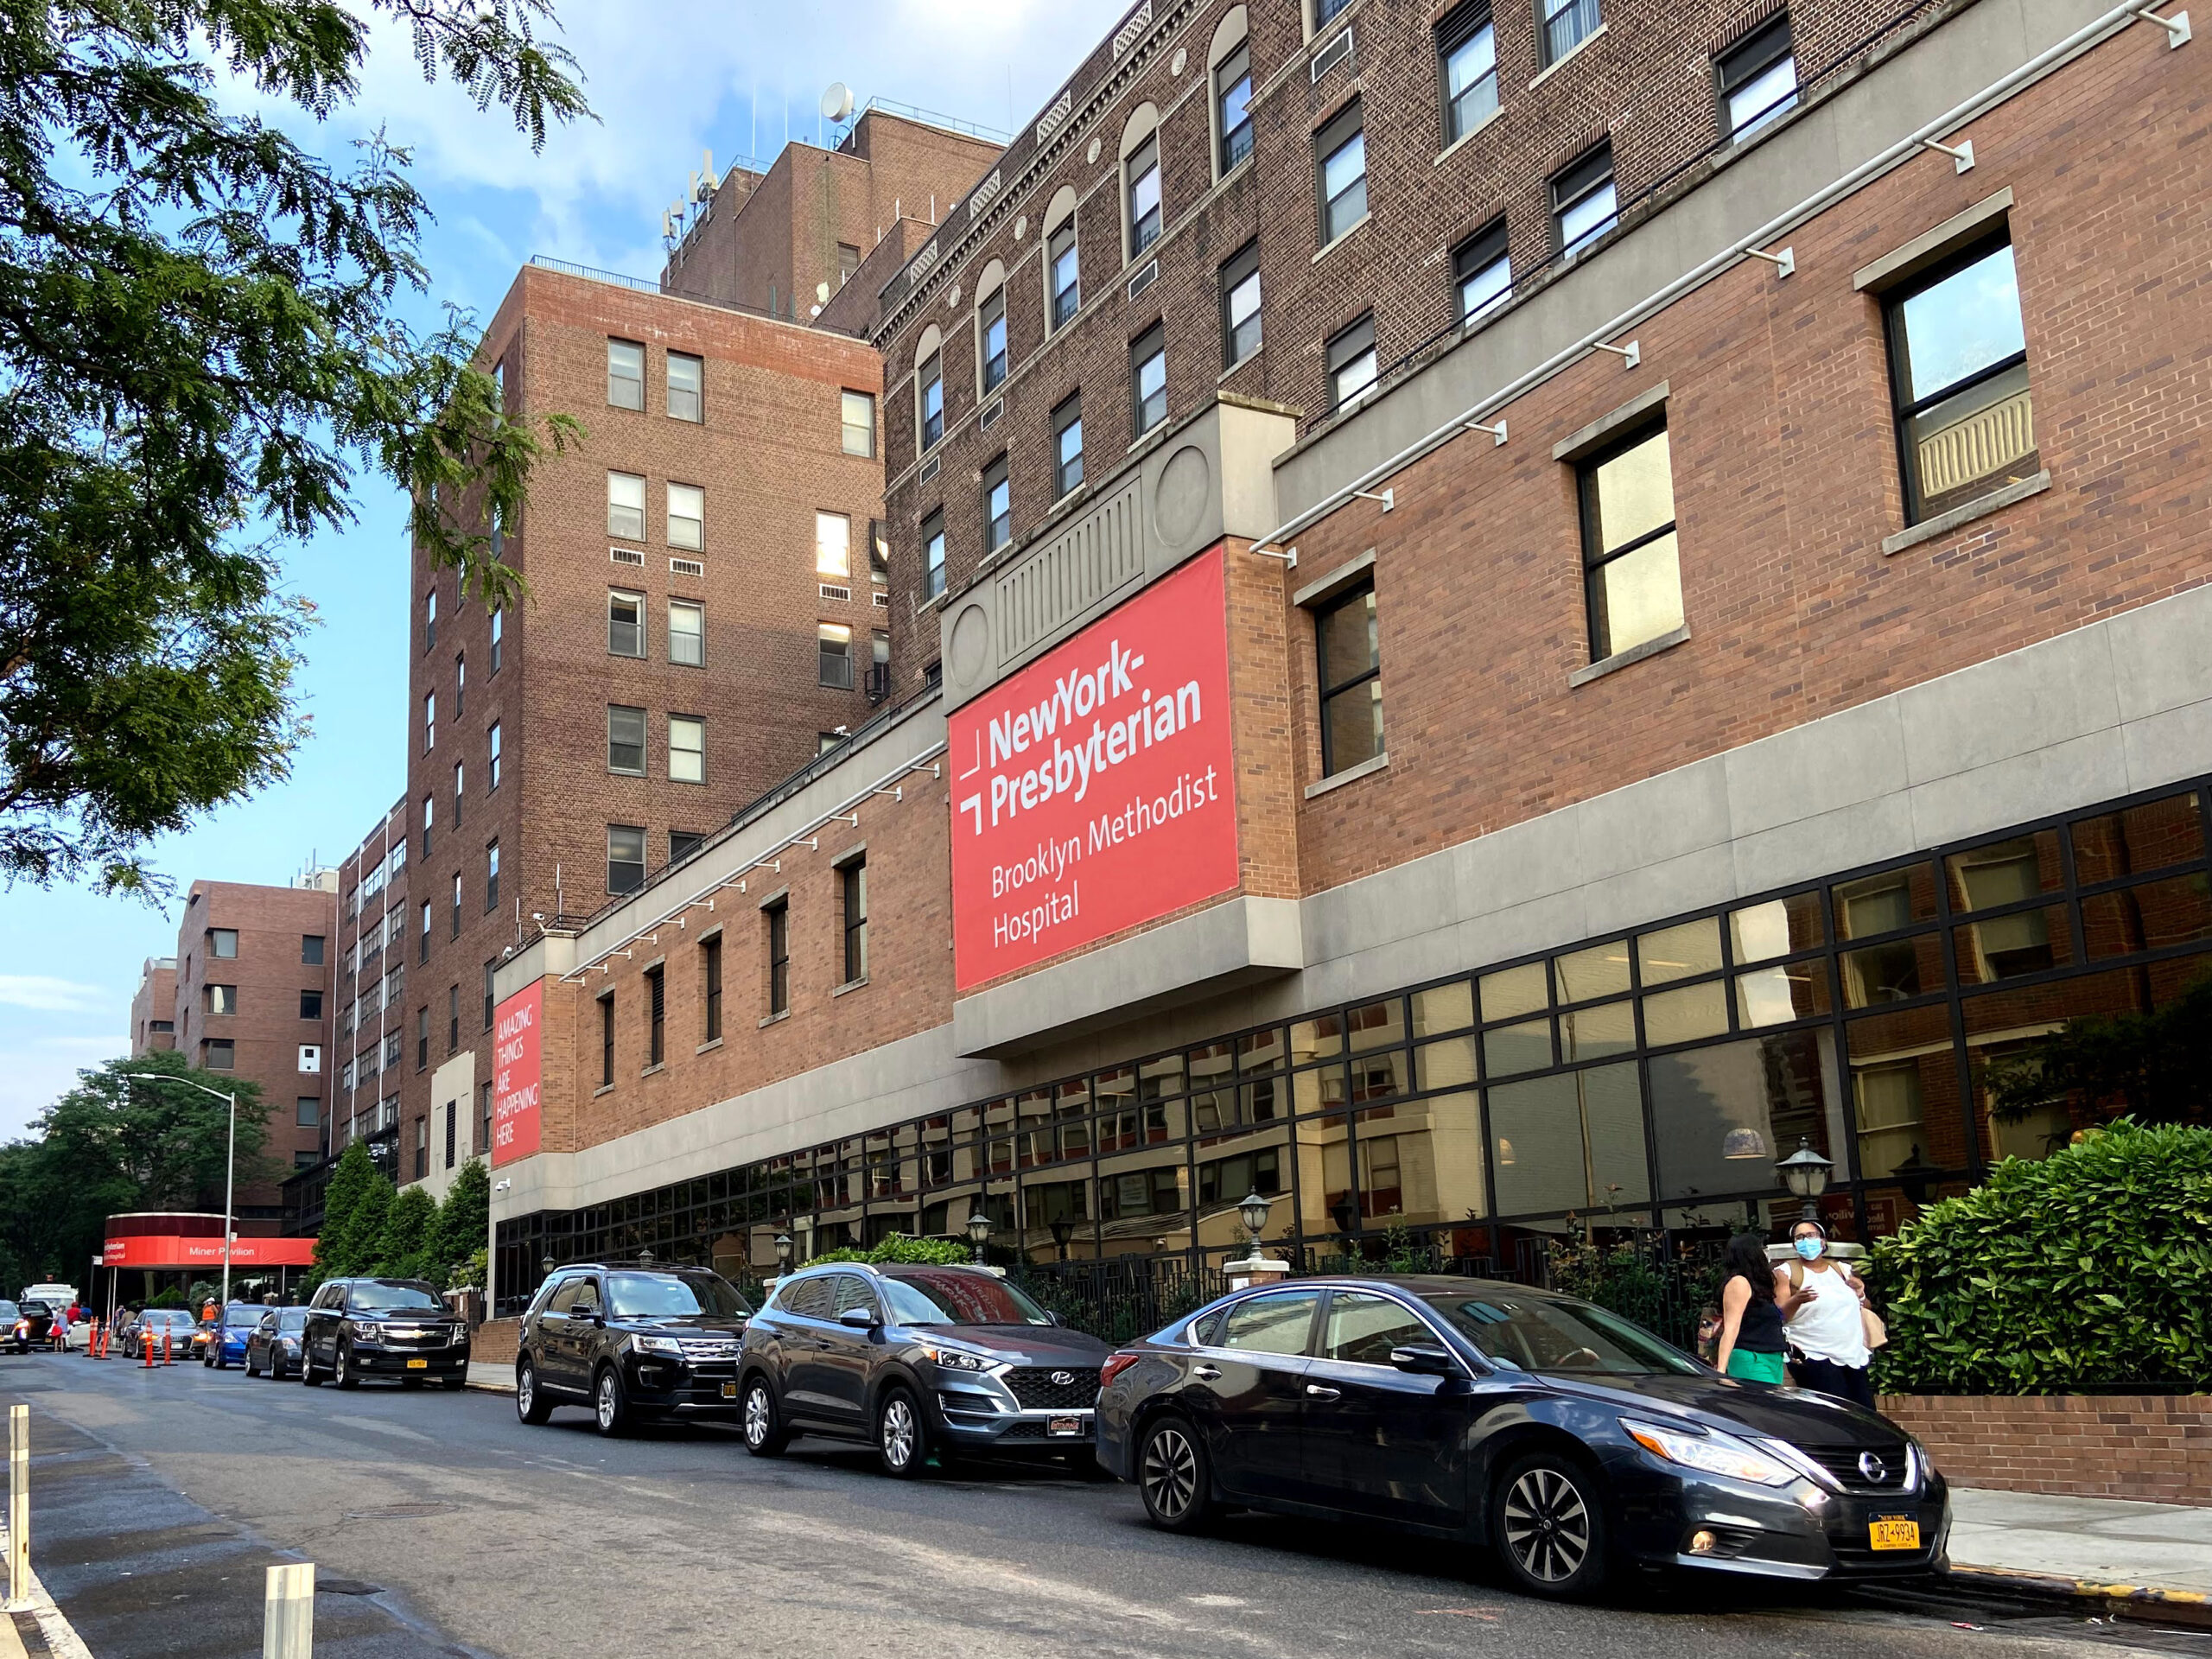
(440, 1524)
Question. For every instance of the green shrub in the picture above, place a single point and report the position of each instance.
(897, 1247)
(2090, 1270)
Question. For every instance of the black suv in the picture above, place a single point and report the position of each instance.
(630, 1342)
(398, 1328)
(916, 1357)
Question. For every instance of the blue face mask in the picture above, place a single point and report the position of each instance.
(1809, 1249)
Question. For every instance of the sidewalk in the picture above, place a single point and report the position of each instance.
(2099, 1547)
(493, 1377)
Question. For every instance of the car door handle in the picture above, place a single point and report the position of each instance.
(1207, 1373)
(1315, 1391)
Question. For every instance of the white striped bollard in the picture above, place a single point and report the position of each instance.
(288, 1613)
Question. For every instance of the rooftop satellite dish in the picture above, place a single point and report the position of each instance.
(836, 102)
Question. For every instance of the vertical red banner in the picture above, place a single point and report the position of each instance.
(1096, 789)
(518, 1067)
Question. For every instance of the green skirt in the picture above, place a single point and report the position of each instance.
(1756, 1368)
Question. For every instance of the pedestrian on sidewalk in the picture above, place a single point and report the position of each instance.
(1751, 1313)
(1826, 1332)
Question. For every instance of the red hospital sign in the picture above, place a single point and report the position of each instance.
(1096, 789)
(517, 1060)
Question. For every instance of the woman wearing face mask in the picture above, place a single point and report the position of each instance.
(1827, 1331)
(1752, 1308)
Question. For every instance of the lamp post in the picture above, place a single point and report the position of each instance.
(230, 1158)
(783, 1252)
(979, 1229)
(1805, 1172)
(1254, 1211)
(1063, 1230)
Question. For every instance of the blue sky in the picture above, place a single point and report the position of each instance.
(668, 80)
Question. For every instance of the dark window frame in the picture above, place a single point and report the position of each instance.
(656, 978)
(696, 392)
(1903, 406)
(1745, 62)
(778, 919)
(1239, 268)
(1550, 14)
(1359, 594)
(1596, 556)
(1455, 30)
(607, 1039)
(1063, 301)
(933, 561)
(998, 521)
(1149, 347)
(618, 747)
(1478, 255)
(1576, 183)
(928, 401)
(1330, 139)
(990, 316)
(1347, 345)
(1067, 415)
(1233, 143)
(852, 894)
(1143, 228)
(645, 362)
(710, 982)
(612, 861)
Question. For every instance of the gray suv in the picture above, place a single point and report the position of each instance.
(915, 1359)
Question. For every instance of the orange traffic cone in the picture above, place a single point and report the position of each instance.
(166, 1360)
(146, 1348)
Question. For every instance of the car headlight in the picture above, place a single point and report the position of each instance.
(657, 1346)
(288, 1343)
(957, 1359)
(362, 1329)
(1714, 1453)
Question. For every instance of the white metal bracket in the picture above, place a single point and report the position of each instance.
(1784, 260)
(2176, 27)
(1962, 154)
(1288, 554)
(1629, 354)
(1387, 497)
(1497, 432)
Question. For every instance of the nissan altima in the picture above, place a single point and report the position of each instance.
(1569, 1441)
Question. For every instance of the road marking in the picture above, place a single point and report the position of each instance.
(376, 1427)
(1214, 1601)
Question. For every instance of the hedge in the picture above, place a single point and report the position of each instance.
(2089, 1271)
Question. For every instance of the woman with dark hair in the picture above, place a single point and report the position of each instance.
(1750, 1314)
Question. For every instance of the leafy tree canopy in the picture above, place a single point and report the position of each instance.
(200, 343)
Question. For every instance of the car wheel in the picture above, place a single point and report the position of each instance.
(220, 1361)
(610, 1406)
(249, 1369)
(1547, 1525)
(341, 1368)
(308, 1373)
(901, 1442)
(763, 1423)
(1173, 1477)
(530, 1405)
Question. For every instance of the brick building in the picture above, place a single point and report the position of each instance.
(249, 993)
(1745, 682)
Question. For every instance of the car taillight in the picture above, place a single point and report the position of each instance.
(1115, 1366)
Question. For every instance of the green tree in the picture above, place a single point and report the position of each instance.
(202, 341)
(405, 1248)
(354, 1206)
(464, 1221)
(2154, 1067)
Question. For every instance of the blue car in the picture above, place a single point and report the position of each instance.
(226, 1343)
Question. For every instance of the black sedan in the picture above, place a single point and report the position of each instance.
(272, 1348)
(916, 1358)
(1567, 1439)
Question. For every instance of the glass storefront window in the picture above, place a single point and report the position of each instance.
(1595, 971)
(1886, 902)
(1680, 952)
(1685, 1014)
(1776, 995)
(1722, 1116)
(1378, 1025)
(1778, 927)
(1447, 1065)
(1895, 972)
(1524, 1047)
(2005, 947)
(1444, 1007)
(2006, 872)
(2138, 839)
(1906, 1092)
(2147, 916)
(1260, 1051)
(1575, 1141)
(1317, 1038)
(1598, 1033)
(1513, 991)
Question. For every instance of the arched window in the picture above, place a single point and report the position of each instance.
(992, 358)
(929, 389)
(1063, 266)
(1229, 61)
(1142, 216)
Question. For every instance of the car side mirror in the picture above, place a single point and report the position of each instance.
(1424, 1359)
(1052, 1317)
(857, 1318)
(588, 1311)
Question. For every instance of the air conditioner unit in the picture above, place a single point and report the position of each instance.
(877, 683)
(830, 590)
(990, 415)
(882, 600)
(686, 567)
(624, 556)
(1144, 279)
(1337, 51)
(928, 471)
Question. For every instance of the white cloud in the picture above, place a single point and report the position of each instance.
(43, 993)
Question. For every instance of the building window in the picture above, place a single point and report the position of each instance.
(931, 399)
(682, 843)
(857, 423)
(687, 516)
(710, 980)
(458, 777)
(687, 634)
(626, 374)
(879, 673)
(626, 858)
(686, 387)
(222, 999)
(1240, 306)
(310, 1005)
(852, 880)
(1142, 172)
(491, 875)
(455, 932)
(222, 943)
(933, 554)
(1148, 377)
(826, 741)
(453, 1018)
(1351, 358)
(1232, 96)
(625, 740)
(422, 948)
(626, 624)
(429, 622)
(607, 1041)
(1958, 368)
(1340, 172)
(625, 506)
(779, 957)
(311, 950)
(459, 684)
(489, 969)
(849, 262)
(1067, 446)
(306, 1111)
(498, 636)
(1065, 275)
(1567, 23)
(1351, 658)
(430, 818)
(1628, 545)
(998, 507)
(218, 1054)
(429, 722)
(833, 546)
(484, 1116)
(1466, 51)
(492, 741)
(656, 1016)
(1583, 205)
(1483, 272)
(835, 643)
(452, 1108)
(422, 1039)
(991, 321)
(687, 749)
(1758, 78)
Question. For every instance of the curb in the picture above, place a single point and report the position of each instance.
(61, 1638)
(2192, 1607)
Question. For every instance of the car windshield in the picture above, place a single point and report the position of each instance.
(36, 1307)
(175, 1316)
(9, 1311)
(393, 1298)
(673, 1296)
(945, 1297)
(1549, 1334)
(242, 1315)
(291, 1318)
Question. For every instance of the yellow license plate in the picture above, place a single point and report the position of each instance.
(1893, 1533)
(424, 1365)
(729, 1390)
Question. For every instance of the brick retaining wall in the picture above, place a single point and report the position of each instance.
(494, 1343)
(2154, 1447)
